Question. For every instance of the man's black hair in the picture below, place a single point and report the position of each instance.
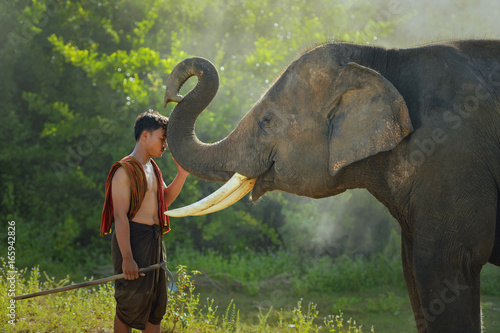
(149, 121)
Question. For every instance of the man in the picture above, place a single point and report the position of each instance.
(136, 199)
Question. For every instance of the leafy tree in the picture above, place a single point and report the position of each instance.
(76, 74)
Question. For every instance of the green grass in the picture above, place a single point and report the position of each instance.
(281, 292)
(92, 310)
(386, 308)
(85, 309)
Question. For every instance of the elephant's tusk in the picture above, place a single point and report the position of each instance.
(231, 199)
(229, 193)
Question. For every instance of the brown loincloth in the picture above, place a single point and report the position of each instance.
(144, 299)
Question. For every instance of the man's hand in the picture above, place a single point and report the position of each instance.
(180, 170)
(130, 269)
(172, 191)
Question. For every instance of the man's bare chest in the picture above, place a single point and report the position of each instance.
(150, 180)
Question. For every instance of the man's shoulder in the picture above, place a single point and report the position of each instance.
(126, 162)
(120, 174)
(119, 169)
(128, 159)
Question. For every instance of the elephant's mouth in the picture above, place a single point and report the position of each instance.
(231, 192)
(264, 183)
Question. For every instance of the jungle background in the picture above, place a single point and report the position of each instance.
(75, 74)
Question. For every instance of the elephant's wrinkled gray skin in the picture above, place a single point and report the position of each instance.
(419, 128)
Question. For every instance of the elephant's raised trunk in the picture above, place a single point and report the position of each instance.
(192, 154)
(207, 161)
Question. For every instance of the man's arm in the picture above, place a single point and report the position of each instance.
(173, 190)
(120, 189)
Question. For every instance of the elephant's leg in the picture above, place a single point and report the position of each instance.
(447, 261)
(411, 285)
(452, 218)
(449, 298)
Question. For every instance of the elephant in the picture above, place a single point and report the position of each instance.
(417, 127)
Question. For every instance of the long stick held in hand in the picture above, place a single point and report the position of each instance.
(162, 264)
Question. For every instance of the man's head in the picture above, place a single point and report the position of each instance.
(150, 132)
(149, 121)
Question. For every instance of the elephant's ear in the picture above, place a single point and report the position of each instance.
(370, 116)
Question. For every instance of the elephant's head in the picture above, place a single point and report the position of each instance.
(323, 114)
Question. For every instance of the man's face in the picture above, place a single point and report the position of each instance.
(156, 142)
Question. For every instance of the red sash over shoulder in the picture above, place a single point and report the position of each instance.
(138, 186)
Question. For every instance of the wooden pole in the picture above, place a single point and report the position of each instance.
(89, 283)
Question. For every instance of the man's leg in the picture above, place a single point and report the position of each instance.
(121, 327)
(150, 328)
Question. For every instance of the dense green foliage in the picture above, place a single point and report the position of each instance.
(76, 74)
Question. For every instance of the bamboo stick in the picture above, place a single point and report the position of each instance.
(89, 283)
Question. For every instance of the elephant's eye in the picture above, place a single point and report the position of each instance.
(266, 122)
